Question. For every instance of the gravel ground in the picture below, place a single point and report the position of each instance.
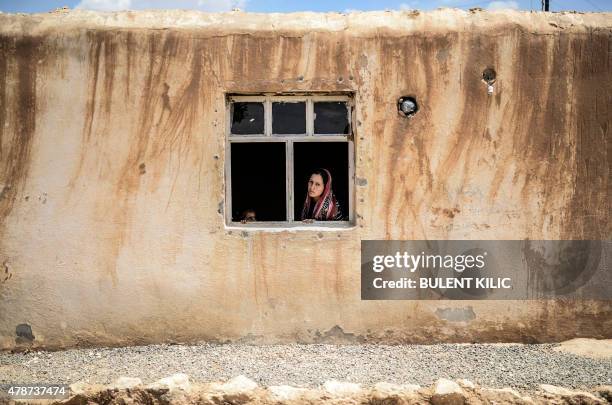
(492, 365)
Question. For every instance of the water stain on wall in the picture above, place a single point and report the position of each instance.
(18, 114)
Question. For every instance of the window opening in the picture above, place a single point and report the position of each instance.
(247, 118)
(309, 156)
(274, 145)
(289, 118)
(331, 118)
(258, 181)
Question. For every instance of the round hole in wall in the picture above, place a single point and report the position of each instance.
(407, 106)
(489, 75)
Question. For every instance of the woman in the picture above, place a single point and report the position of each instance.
(320, 204)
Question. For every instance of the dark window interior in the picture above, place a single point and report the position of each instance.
(331, 117)
(332, 156)
(258, 180)
(247, 118)
(289, 118)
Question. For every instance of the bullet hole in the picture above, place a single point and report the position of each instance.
(27, 197)
(142, 169)
(24, 333)
(220, 208)
(320, 235)
(489, 75)
(340, 79)
(216, 157)
(244, 234)
(361, 182)
(407, 106)
(300, 78)
(351, 78)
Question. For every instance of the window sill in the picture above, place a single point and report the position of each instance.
(319, 226)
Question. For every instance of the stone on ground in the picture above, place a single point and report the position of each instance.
(504, 396)
(581, 397)
(285, 392)
(447, 392)
(123, 383)
(174, 382)
(339, 388)
(236, 385)
(384, 388)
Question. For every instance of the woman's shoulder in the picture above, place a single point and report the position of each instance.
(339, 216)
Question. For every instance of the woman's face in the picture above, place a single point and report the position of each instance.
(315, 186)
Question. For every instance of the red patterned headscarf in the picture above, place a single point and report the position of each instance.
(327, 207)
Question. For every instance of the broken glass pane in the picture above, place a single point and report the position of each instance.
(289, 118)
(331, 117)
(247, 118)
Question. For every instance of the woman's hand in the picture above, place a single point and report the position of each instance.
(308, 221)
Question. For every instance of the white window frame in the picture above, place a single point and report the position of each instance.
(289, 139)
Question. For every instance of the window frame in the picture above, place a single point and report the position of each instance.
(289, 139)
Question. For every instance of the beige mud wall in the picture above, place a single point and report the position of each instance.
(112, 156)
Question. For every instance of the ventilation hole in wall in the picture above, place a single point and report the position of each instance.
(489, 75)
(407, 106)
(24, 332)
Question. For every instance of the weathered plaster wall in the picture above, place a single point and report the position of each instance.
(112, 155)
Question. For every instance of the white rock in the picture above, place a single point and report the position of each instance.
(505, 394)
(564, 392)
(395, 389)
(123, 383)
(551, 389)
(79, 387)
(236, 385)
(285, 392)
(466, 383)
(447, 392)
(177, 381)
(508, 391)
(340, 388)
(84, 387)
